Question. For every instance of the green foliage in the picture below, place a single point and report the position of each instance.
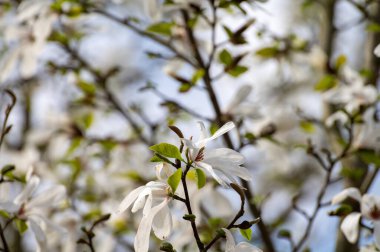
(201, 178)
(21, 226)
(340, 61)
(225, 57)
(284, 233)
(246, 233)
(373, 27)
(167, 150)
(369, 157)
(307, 127)
(342, 210)
(174, 179)
(328, 81)
(162, 28)
(268, 52)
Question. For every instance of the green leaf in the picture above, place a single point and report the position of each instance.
(4, 214)
(373, 27)
(155, 159)
(327, 82)
(21, 226)
(201, 178)
(197, 75)
(167, 150)
(268, 52)
(75, 143)
(308, 127)
(284, 233)
(246, 233)
(174, 180)
(185, 87)
(225, 57)
(88, 119)
(7, 168)
(162, 28)
(369, 157)
(340, 61)
(342, 210)
(237, 71)
(87, 88)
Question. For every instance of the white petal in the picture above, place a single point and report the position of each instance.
(351, 192)
(370, 205)
(227, 153)
(377, 50)
(141, 199)
(339, 116)
(224, 129)
(49, 197)
(29, 189)
(143, 232)
(210, 170)
(376, 233)
(127, 201)
(350, 227)
(230, 242)
(203, 130)
(246, 247)
(239, 97)
(38, 232)
(9, 206)
(163, 223)
(164, 168)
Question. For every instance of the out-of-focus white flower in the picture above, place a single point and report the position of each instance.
(370, 209)
(31, 28)
(338, 116)
(222, 163)
(31, 208)
(352, 95)
(154, 199)
(231, 246)
(377, 50)
(164, 170)
(238, 105)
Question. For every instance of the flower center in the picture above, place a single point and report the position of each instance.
(375, 213)
(201, 155)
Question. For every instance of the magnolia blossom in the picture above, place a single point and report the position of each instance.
(153, 198)
(221, 163)
(370, 209)
(231, 246)
(31, 208)
(352, 95)
(31, 28)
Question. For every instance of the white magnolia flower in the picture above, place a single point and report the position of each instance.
(221, 163)
(31, 208)
(231, 246)
(31, 28)
(153, 199)
(370, 209)
(353, 94)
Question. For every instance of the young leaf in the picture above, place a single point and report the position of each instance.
(369, 157)
(161, 28)
(327, 82)
(246, 233)
(167, 150)
(174, 180)
(201, 178)
(21, 226)
(225, 57)
(307, 127)
(237, 71)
